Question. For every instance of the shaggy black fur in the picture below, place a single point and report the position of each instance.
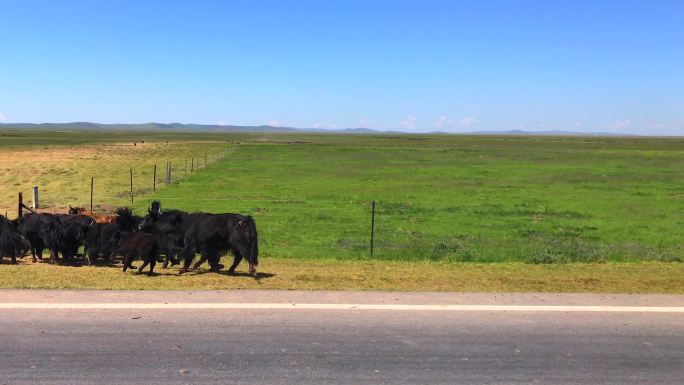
(101, 240)
(212, 235)
(141, 246)
(12, 244)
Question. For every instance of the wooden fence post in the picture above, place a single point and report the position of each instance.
(372, 242)
(154, 178)
(131, 185)
(21, 205)
(35, 197)
(91, 192)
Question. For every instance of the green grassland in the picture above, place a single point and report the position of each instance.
(538, 208)
(452, 198)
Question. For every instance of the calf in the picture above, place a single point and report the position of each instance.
(96, 217)
(141, 246)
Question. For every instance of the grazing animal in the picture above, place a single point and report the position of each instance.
(101, 241)
(66, 234)
(169, 229)
(12, 244)
(97, 217)
(34, 228)
(61, 234)
(141, 246)
(78, 227)
(212, 235)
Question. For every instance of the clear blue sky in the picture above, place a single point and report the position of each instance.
(615, 66)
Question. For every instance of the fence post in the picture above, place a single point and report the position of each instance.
(170, 168)
(154, 178)
(372, 230)
(192, 164)
(21, 205)
(91, 193)
(205, 160)
(35, 197)
(131, 185)
(185, 170)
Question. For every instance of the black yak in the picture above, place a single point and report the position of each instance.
(76, 229)
(212, 235)
(141, 246)
(61, 234)
(101, 242)
(169, 229)
(31, 228)
(12, 244)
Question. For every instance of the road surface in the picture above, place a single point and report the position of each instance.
(157, 338)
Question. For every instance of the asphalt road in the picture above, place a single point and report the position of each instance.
(303, 346)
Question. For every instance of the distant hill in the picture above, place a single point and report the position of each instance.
(180, 127)
(549, 133)
(169, 127)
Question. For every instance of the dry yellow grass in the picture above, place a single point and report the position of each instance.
(651, 277)
(63, 172)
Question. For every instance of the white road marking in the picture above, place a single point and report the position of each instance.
(334, 306)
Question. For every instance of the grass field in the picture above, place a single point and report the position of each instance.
(62, 163)
(452, 198)
(440, 200)
(320, 274)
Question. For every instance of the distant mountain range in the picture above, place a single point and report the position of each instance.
(180, 127)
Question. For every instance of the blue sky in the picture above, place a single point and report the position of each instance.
(615, 66)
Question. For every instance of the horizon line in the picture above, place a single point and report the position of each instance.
(357, 130)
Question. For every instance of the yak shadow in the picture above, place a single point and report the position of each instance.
(115, 263)
(110, 263)
(259, 275)
(154, 274)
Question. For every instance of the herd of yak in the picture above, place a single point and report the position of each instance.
(174, 235)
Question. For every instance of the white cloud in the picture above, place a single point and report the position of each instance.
(409, 123)
(445, 122)
(275, 123)
(222, 123)
(622, 124)
(3, 117)
(466, 123)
